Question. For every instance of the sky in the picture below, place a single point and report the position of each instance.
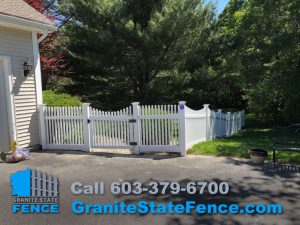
(220, 5)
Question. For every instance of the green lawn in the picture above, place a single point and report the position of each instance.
(239, 144)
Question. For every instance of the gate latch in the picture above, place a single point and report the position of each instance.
(132, 120)
(133, 143)
(88, 121)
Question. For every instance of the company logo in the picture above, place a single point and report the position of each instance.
(34, 192)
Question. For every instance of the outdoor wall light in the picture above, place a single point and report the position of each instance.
(27, 68)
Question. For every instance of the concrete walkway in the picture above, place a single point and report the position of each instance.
(248, 183)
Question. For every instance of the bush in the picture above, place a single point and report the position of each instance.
(56, 99)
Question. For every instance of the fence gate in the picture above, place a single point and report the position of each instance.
(141, 128)
(158, 128)
(111, 129)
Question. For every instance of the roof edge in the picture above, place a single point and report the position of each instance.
(24, 24)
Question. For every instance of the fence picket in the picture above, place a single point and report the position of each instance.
(158, 126)
(164, 126)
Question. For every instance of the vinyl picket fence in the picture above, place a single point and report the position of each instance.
(142, 128)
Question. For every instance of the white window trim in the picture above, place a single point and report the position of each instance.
(8, 78)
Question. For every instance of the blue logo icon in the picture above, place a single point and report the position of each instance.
(34, 192)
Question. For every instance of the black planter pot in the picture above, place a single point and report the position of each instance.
(258, 156)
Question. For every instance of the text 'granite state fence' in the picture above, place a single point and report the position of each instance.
(142, 128)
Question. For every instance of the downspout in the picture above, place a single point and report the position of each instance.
(45, 33)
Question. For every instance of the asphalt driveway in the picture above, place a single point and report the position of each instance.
(248, 183)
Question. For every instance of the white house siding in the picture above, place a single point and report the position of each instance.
(18, 45)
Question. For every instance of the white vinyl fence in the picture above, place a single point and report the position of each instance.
(205, 124)
(142, 128)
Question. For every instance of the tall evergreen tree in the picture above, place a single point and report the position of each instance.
(128, 44)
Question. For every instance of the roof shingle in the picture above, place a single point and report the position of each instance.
(20, 9)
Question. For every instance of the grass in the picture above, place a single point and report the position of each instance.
(59, 99)
(239, 144)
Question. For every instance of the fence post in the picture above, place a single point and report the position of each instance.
(136, 127)
(43, 140)
(86, 127)
(232, 119)
(243, 118)
(228, 124)
(182, 137)
(235, 123)
(240, 121)
(220, 122)
(206, 121)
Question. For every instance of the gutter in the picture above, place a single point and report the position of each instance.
(24, 24)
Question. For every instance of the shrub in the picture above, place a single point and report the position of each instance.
(59, 99)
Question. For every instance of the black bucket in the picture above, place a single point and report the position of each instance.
(258, 152)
